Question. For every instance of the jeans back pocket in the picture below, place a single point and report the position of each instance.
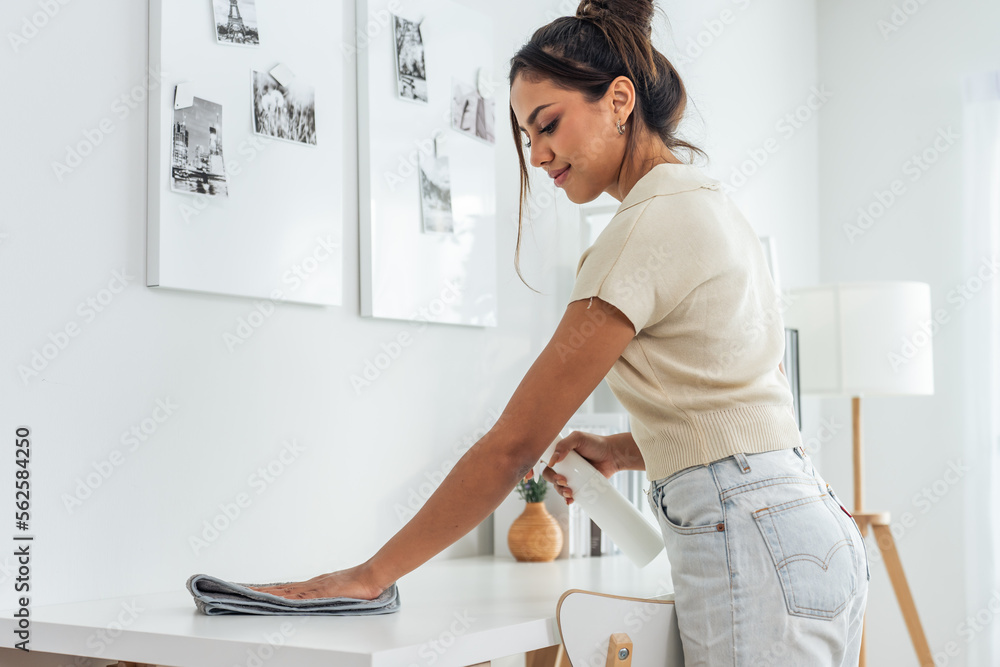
(812, 553)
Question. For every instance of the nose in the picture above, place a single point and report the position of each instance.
(540, 154)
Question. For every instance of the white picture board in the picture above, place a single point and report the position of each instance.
(278, 233)
(408, 272)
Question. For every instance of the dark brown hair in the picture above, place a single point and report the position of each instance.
(606, 39)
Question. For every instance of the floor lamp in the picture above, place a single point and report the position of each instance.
(861, 340)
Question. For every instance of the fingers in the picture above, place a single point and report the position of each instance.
(566, 445)
(558, 483)
(554, 478)
(558, 455)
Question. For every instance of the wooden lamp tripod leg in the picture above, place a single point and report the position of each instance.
(879, 522)
(887, 545)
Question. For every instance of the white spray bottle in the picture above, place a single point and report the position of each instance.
(609, 509)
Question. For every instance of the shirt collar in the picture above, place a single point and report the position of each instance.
(668, 178)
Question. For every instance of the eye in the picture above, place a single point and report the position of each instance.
(547, 129)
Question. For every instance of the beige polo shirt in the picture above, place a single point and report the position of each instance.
(700, 380)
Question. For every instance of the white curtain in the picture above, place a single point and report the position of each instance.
(980, 319)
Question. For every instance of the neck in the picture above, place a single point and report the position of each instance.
(644, 165)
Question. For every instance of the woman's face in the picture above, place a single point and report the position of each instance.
(569, 139)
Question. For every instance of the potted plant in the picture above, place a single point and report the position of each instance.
(534, 536)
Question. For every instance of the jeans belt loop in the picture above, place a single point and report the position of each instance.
(741, 461)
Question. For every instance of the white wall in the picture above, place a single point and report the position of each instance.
(894, 91)
(364, 455)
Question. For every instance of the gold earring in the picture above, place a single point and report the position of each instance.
(619, 123)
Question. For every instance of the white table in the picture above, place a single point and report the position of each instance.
(453, 613)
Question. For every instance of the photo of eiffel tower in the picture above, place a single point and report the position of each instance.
(234, 30)
(236, 22)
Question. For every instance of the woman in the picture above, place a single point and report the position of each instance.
(683, 319)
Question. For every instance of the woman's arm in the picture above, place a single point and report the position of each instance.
(584, 347)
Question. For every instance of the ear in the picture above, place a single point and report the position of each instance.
(622, 94)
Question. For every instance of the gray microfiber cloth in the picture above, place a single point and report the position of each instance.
(215, 596)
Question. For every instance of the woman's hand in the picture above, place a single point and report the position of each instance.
(355, 582)
(597, 449)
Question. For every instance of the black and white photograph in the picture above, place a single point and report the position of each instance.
(196, 163)
(236, 22)
(472, 114)
(411, 73)
(284, 111)
(435, 194)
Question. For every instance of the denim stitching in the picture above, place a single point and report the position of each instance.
(822, 562)
(787, 505)
(729, 564)
(801, 610)
(762, 483)
(687, 530)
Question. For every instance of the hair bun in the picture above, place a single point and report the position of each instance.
(638, 13)
(593, 9)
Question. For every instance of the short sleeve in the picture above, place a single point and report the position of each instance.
(647, 260)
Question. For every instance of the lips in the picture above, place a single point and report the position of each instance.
(557, 174)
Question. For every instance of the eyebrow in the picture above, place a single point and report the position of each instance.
(534, 114)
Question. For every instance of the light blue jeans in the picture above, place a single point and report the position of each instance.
(768, 568)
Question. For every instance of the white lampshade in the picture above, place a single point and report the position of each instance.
(864, 339)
